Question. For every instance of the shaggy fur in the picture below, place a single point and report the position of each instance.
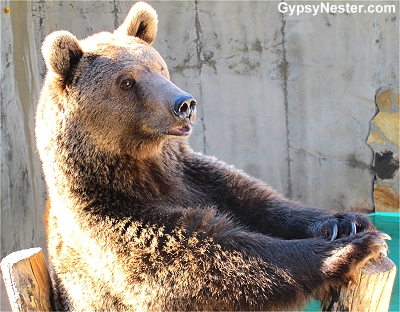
(138, 221)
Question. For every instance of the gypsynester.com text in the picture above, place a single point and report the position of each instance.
(326, 7)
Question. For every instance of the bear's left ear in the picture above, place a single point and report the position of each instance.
(141, 22)
(61, 52)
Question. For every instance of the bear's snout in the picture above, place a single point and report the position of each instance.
(185, 107)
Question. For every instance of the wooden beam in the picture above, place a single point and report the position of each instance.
(27, 280)
(371, 290)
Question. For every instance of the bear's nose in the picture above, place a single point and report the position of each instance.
(184, 107)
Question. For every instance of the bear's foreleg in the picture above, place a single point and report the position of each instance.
(263, 209)
(221, 265)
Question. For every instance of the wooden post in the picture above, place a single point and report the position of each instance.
(27, 280)
(371, 290)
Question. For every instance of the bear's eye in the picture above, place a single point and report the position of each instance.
(127, 84)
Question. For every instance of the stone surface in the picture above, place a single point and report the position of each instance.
(384, 141)
(388, 124)
(383, 100)
(386, 198)
(376, 138)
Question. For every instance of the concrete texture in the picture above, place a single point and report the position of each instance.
(289, 99)
(4, 303)
(22, 188)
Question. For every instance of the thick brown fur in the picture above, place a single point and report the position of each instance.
(138, 221)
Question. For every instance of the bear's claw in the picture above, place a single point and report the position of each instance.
(383, 235)
(353, 228)
(336, 229)
(341, 224)
(334, 232)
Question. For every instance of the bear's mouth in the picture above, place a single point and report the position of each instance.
(180, 131)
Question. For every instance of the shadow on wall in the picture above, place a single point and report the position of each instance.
(384, 141)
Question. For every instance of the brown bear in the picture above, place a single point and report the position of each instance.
(139, 221)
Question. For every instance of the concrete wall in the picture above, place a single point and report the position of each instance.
(22, 186)
(289, 99)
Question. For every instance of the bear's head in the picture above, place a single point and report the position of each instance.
(114, 88)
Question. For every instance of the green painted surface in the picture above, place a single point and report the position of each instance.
(388, 223)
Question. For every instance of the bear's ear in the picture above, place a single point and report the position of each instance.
(61, 52)
(141, 22)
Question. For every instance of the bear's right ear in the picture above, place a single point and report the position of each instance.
(141, 22)
(61, 52)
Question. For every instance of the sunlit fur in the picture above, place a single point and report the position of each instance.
(137, 221)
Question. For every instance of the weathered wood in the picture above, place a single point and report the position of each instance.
(27, 280)
(371, 290)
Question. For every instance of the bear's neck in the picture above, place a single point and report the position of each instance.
(94, 175)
